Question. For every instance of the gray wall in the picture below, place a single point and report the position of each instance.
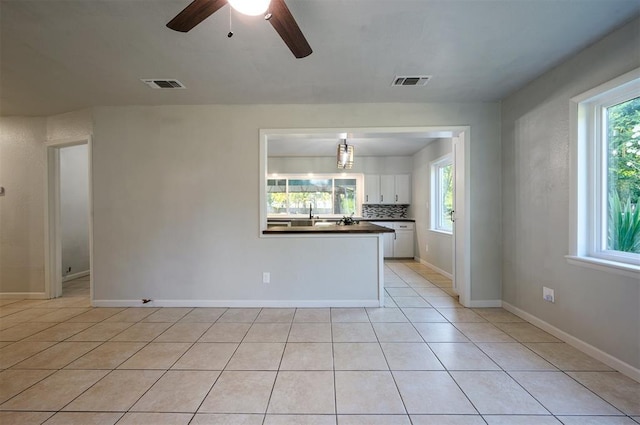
(74, 208)
(600, 308)
(440, 253)
(22, 165)
(22, 212)
(176, 201)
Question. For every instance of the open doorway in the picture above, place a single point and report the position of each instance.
(388, 147)
(68, 219)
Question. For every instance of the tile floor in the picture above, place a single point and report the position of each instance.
(424, 359)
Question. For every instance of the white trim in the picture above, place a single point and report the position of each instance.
(237, 303)
(53, 244)
(463, 167)
(596, 353)
(23, 296)
(77, 275)
(587, 209)
(485, 303)
(607, 266)
(438, 269)
(380, 269)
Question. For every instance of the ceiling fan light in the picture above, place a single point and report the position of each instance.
(250, 7)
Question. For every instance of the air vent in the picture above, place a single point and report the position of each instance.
(163, 83)
(417, 80)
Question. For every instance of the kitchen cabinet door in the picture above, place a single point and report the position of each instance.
(389, 245)
(403, 189)
(403, 244)
(387, 189)
(371, 189)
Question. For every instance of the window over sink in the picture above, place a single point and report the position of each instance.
(327, 195)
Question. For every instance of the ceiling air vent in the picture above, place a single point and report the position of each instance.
(163, 83)
(418, 80)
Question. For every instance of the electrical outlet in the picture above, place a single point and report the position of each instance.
(548, 294)
(266, 277)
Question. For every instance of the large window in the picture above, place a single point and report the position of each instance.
(326, 195)
(608, 173)
(442, 194)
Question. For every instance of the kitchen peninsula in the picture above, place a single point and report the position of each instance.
(328, 228)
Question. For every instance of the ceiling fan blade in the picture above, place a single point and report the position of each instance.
(284, 23)
(196, 12)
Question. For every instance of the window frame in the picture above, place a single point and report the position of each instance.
(589, 177)
(436, 194)
(359, 178)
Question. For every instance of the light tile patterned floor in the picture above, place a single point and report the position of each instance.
(422, 360)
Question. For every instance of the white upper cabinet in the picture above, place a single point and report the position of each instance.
(387, 189)
(403, 189)
(371, 189)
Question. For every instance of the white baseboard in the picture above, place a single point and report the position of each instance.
(485, 303)
(23, 296)
(438, 269)
(237, 303)
(596, 353)
(76, 275)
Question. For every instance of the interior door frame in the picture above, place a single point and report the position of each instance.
(53, 235)
(462, 240)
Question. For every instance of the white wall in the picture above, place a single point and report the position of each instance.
(176, 203)
(74, 209)
(440, 253)
(22, 167)
(599, 308)
(361, 165)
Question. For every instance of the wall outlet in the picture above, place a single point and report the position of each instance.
(266, 277)
(548, 294)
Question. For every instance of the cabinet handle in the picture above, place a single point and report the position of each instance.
(381, 198)
(451, 214)
(403, 227)
(367, 198)
(395, 236)
(396, 198)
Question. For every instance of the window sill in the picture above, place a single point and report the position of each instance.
(442, 232)
(624, 269)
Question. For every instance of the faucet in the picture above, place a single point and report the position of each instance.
(310, 211)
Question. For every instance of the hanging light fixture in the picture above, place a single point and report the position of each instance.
(345, 155)
(250, 7)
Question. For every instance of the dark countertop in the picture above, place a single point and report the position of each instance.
(333, 228)
(284, 219)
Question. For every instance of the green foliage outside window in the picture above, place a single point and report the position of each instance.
(623, 176)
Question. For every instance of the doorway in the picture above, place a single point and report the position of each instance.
(69, 219)
(274, 142)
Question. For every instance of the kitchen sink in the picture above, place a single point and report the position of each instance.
(311, 222)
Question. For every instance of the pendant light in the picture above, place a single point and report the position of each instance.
(345, 155)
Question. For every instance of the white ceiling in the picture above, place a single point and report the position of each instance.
(62, 55)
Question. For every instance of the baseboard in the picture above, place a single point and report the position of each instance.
(438, 269)
(23, 296)
(485, 303)
(596, 353)
(76, 275)
(237, 303)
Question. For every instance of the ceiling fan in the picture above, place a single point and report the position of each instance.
(277, 13)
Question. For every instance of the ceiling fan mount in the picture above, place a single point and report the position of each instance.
(277, 13)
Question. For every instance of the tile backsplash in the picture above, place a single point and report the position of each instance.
(384, 211)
